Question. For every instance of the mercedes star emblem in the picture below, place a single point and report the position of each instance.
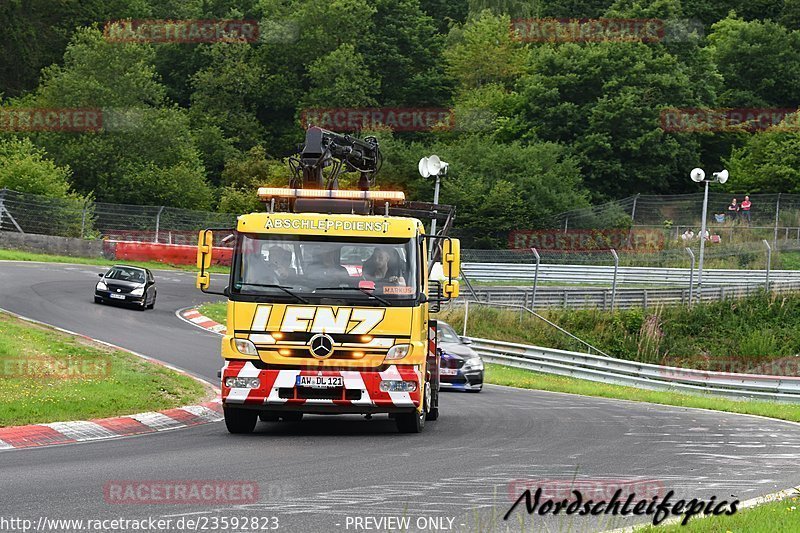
(321, 346)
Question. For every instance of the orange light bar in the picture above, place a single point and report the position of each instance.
(266, 193)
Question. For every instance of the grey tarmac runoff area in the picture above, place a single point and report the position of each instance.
(345, 473)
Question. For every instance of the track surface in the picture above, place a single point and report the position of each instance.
(315, 474)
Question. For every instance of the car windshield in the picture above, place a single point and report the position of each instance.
(134, 275)
(307, 267)
(446, 333)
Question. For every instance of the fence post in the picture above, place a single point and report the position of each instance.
(614, 282)
(2, 205)
(83, 222)
(769, 261)
(535, 276)
(466, 315)
(691, 275)
(158, 222)
(777, 211)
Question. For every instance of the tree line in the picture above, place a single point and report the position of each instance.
(538, 127)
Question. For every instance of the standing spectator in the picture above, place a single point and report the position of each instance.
(733, 210)
(745, 212)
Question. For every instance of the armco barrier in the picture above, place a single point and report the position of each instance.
(624, 298)
(604, 275)
(641, 375)
(173, 254)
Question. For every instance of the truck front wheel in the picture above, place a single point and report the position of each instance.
(240, 420)
(414, 422)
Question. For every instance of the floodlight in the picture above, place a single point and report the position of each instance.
(698, 175)
(423, 167)
(434, 165)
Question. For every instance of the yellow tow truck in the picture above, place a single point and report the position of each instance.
(330, 295)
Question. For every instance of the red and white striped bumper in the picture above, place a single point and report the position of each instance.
(361, 391)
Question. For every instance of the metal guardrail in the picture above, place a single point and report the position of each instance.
(600, 274)
(639, 375)
(624, 298)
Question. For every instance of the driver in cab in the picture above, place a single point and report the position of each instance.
(384, 267)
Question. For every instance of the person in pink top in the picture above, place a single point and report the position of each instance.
(745, 209)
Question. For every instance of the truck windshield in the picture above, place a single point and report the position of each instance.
(312, 268)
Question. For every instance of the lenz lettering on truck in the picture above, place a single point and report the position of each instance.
(329, 301)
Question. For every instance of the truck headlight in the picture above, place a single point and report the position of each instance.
(245, 347)
(138, 291)
(398, 351)
(101, 286)
(474, 363)
(242, 383)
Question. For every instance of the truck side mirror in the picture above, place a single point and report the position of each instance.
(450, 289)
(205, 247)
(451, 258)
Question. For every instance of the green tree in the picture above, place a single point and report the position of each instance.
(604, 100)
(484, 51)
(768, 162)
(25, 168)
(243, 176)
(759, 61)
(404, 52)
(143, 135)
(341, 79)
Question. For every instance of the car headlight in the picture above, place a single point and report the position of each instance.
(398, 351)
(245, 346)
(101, 286)
(475, 363)
(139, 291)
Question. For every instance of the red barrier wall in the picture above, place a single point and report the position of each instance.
(173, 254)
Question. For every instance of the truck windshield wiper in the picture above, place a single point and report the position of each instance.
(281, 287)
(384, 301)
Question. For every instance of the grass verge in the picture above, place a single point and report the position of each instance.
(216, 311)
(767, 518)
(17, 255)
(50, 376)
(524, 379)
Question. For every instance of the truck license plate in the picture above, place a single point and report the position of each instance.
(320, 382)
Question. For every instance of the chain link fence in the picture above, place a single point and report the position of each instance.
(30, 213)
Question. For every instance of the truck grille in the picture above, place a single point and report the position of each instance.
(308, 393)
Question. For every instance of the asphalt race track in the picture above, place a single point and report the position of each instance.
(321, 473)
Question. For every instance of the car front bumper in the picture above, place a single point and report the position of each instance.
(106, 296)
(469, 380)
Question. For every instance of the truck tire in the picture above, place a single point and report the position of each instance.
(269, 416)
(433, 413)
(292, 417)
(239, 421)
(414, 422)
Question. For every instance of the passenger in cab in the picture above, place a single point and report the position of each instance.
(384, 266)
